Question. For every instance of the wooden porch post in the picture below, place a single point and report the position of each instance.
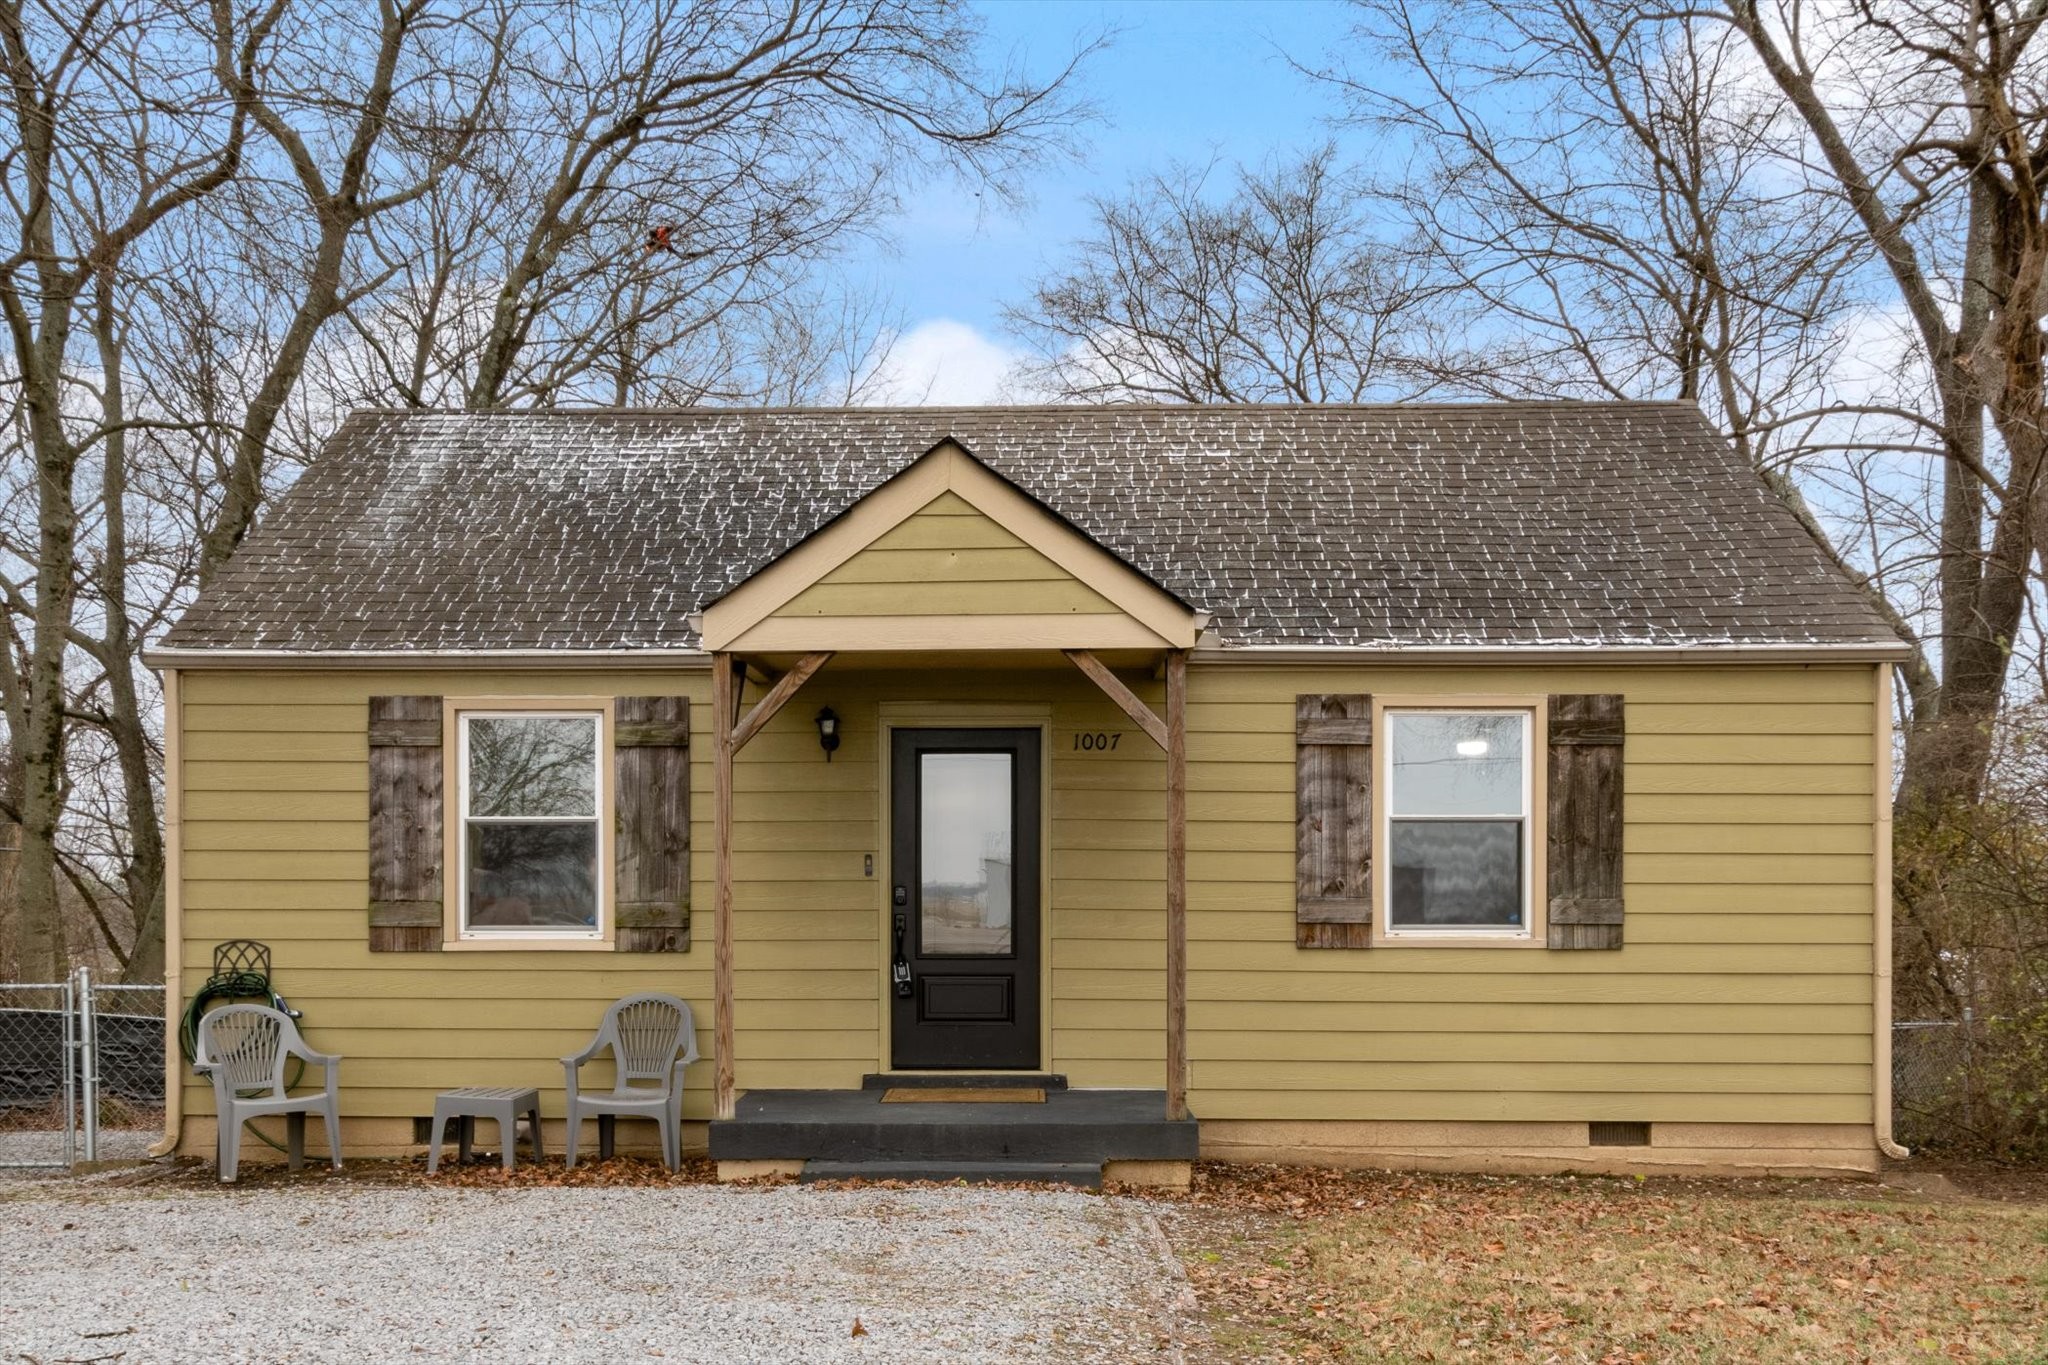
(722, 708)
(1172, 736)
(1176, 884)
(730, 734)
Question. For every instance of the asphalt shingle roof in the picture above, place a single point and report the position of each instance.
(1399, 525)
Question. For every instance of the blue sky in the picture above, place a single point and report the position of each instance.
(1183, 80)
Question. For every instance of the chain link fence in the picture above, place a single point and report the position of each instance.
(1931, 1093)
(125, 1070)
(38, 1083)
(81, 1071)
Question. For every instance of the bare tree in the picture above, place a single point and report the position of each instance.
(392, 127)
(1927, 126)
(137, 848)
(1602, 188)
(232, 222)
(1281, 290)
(679, 159)
(647, 218)
(396, 126)
(824, 347)
(116, 128)
(1715, 203)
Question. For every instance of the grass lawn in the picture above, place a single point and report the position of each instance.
(1367, 1266)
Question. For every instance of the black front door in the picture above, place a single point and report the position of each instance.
(964, 899)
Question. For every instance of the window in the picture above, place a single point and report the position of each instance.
(532, 841)
(1457, 828)
(963, 853)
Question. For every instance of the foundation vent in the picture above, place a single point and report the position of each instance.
(1617, 1134)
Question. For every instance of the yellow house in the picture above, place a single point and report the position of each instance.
(1495, 786)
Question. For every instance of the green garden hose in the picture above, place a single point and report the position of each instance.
(225, 986)
(241, 971)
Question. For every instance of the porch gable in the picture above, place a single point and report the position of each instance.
(948, 555)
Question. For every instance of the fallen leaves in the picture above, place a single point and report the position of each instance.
(620, 1172)
(1323, 1265)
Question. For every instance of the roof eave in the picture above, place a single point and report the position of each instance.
(1857, 651)
(189, 656)
(1726, 652)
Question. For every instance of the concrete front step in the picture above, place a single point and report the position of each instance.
(1076, 1173)
(1070, 1126)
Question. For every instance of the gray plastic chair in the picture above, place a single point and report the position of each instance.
(243, 1048)
(652, 1038)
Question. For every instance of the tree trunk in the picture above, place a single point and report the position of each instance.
(1948, 743)
(143, 874)
(511, 313)
(242, 498)
(10, 892)
(38, 927)
(145, 870)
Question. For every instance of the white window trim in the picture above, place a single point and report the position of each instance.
(1384, 818)
(457, 934)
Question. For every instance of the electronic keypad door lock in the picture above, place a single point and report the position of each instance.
(899, 969)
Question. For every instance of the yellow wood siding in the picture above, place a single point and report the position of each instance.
(948, 559)
(1744, 994)
(276, 800)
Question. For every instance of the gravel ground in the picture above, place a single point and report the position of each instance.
(46, 1148)
(32, 1145)
(343, 1272)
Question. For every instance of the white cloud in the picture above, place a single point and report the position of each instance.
(940, 361)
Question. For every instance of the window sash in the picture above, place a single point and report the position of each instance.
(1521, 808)
(551, 933)
(1523, 818)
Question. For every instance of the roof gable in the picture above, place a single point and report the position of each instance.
(948, 550)
(949, 544)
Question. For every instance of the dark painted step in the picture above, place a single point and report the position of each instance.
(1087, 1126)
(991, 1080)
(1076, 1173)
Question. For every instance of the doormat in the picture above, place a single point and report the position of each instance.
(964, 1094)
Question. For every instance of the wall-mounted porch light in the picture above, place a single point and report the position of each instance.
(828, 732)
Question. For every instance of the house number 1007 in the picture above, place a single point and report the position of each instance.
(1106, 742)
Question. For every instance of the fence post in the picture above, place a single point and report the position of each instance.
(1970, 1069)
(67, 1062)
(89, 1064)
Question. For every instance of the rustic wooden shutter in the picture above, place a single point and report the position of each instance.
(1333, 821)
(651, 796)
(1587, 732)
(406, 898)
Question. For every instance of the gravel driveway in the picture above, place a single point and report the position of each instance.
(42, 1146)
(345, 1272)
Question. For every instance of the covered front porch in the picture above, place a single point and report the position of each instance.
(983, 661)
